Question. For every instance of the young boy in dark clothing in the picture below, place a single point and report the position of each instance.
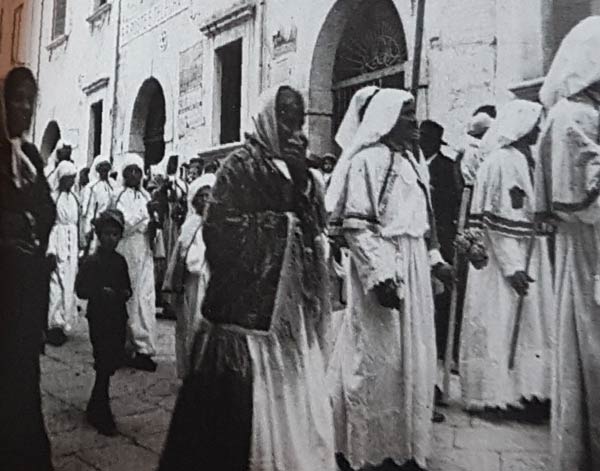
(103, 280)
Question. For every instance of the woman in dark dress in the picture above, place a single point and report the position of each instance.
(26, 218)
(256, 399)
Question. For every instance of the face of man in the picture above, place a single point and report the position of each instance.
(20, 103)
(406, 130)
(533, 136)
(103, 169)
(132, 175)
(430, 145)
(84, 177)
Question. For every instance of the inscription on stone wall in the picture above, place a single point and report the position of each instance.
(139, 20)
(190, 87)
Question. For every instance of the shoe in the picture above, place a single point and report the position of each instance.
(438, 398)
(56, 337)
(438, 417)
(141, 361)
(100, 417)
(342, 463)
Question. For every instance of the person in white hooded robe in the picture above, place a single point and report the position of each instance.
(99, 196)
(339, 261)
(188, 273)
(503, 209)
(62, 152)
(135, 246)
(63, 248)
(567, 192)
(383, 369)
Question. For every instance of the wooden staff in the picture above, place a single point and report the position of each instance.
(448, 357)
(517, 326)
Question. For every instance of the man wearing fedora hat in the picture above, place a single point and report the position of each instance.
(446, 190)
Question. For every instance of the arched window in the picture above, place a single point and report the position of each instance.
(372, 51)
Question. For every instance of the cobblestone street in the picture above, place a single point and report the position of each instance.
(142, 403)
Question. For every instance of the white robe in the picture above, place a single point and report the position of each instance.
(488, 321)
(190, 250)
(64, 244)
(570, 162)
(135, 247)
(383, 368)
(491, 302)
(98, 197)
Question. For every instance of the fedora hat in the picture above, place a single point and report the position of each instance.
(432, 130)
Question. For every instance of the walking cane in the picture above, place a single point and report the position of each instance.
(462, 220)
(517, 326)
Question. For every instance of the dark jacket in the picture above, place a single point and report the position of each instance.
(446, 193)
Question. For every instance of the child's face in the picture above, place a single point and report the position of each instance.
(109, 236)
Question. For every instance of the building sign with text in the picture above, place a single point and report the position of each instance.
(190, 87)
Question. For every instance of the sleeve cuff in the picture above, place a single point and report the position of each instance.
(435, 257)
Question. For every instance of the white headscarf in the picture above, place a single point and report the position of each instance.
(576, 65)
(208, 179)
(515, 120)
(380, 118)
(94, 175)
(65, 169)
(193, 219)
(479, 124)
(130, 159)
(351, 121)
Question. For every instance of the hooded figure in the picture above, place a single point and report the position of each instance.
(187, 274)
(471, 157)
(567, 190)
(99, 196)
(383, 368)
(503, 208)
(64, 248)
(255, 397)
(25, 202)
(135, 246)
(62, 151)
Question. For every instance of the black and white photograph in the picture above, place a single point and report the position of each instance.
(300, 235)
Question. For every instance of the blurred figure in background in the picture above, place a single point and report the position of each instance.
(133, 201)
(25, 204)
(187, 274)
(567, 192)
(63, 250)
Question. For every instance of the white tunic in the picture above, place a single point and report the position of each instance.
(383, 368)
(491, 302)
(64, 244)
(135, 247)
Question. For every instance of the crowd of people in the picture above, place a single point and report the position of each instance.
(487, 261)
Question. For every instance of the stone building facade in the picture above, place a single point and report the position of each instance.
(77, 67)
(18, 41)
(185, 76)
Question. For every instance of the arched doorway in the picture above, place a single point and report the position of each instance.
(148, 123)
(362, 42)
(49, 140)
